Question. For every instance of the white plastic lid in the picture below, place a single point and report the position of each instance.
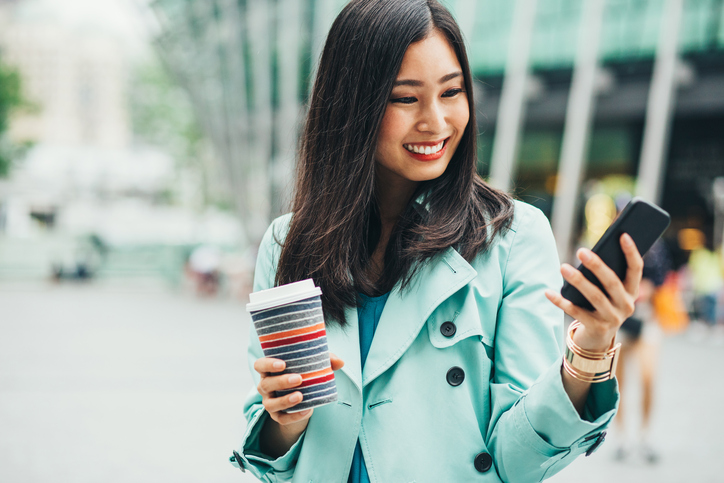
(284, 294)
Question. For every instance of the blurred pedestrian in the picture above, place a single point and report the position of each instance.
(640, 337)
(706, 270)
(440, 293)
(203, 265)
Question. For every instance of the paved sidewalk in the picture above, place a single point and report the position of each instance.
(687, 421)
(119, 385)
(113, 384)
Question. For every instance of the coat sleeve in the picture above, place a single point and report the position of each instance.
(261, 465)
(535, 431)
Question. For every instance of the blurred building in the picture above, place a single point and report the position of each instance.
(5, 6)
(692, 154)
(76, 80)
(571, 92)
(86, 177)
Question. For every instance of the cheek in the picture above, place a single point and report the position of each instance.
(462, 116)
(392, 129)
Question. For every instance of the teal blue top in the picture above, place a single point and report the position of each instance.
(369, 311)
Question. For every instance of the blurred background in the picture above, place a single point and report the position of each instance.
(145, 145)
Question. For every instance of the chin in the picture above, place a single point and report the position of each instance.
(428, 175)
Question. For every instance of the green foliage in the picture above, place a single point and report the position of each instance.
(162, 116)
(10, 99)
(10, 94)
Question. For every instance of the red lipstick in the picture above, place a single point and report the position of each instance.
(428, 157)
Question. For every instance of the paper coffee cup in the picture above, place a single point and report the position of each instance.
(289, 322)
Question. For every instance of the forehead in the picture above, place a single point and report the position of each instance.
(430, 58)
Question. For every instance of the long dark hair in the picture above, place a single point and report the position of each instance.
(335, 225)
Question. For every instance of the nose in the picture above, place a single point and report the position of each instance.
(432, 118)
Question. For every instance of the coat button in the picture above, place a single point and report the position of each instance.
(455, 376)
(448, 329)
(483, 462)
(601, 437)
(237, 458)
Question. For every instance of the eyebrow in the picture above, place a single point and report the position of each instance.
(417, 83)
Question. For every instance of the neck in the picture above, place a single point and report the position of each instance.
(392, 199)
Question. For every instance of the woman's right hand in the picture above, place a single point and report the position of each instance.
(270, 382)
(282, 430)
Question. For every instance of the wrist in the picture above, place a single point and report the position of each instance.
(291, 432)
(588, 365)
(592, 340)
(276, 439)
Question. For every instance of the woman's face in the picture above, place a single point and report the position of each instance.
(425, 117)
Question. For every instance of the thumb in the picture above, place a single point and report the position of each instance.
(337, 363)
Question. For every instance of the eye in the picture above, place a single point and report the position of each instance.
(452, 92)
(403, 100)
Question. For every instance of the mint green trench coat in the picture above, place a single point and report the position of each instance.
(414, 426)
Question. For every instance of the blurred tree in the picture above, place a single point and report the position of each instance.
(162, 116)
(10, 99)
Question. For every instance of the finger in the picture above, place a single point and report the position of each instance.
(567, 306)
(617, 294)
(284, 418)
(593, 294)
(267, 365)
(276, 404)
(268, 385)
(336, 362)
(634, 262)
(585, 317)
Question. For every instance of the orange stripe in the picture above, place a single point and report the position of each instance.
(290, 333)
(312, 375)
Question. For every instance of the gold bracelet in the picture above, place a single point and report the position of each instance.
(589, 366)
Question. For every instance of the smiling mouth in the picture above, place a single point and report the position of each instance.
(426, 149)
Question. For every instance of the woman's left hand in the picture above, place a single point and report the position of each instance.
(599, 327)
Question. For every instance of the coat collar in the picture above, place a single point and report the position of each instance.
(402, 318)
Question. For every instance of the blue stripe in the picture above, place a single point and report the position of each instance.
(306, 360)
(322, 392)
(313, 403)
(278, 325)
(318, 345)
(305, 390)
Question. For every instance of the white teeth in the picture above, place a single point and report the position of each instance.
(424, 149)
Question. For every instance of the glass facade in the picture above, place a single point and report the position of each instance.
(214, 46)
(630, 31)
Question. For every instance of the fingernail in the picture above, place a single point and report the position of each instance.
(566, 269)
(584, 255)
(296, 397)
(278, 365)
(294, 379)
(304, 413)
(627, 239)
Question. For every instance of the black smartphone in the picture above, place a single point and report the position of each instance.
(644, 222)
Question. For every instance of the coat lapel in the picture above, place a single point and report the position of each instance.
(406, 312)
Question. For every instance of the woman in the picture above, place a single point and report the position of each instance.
(437, 289)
